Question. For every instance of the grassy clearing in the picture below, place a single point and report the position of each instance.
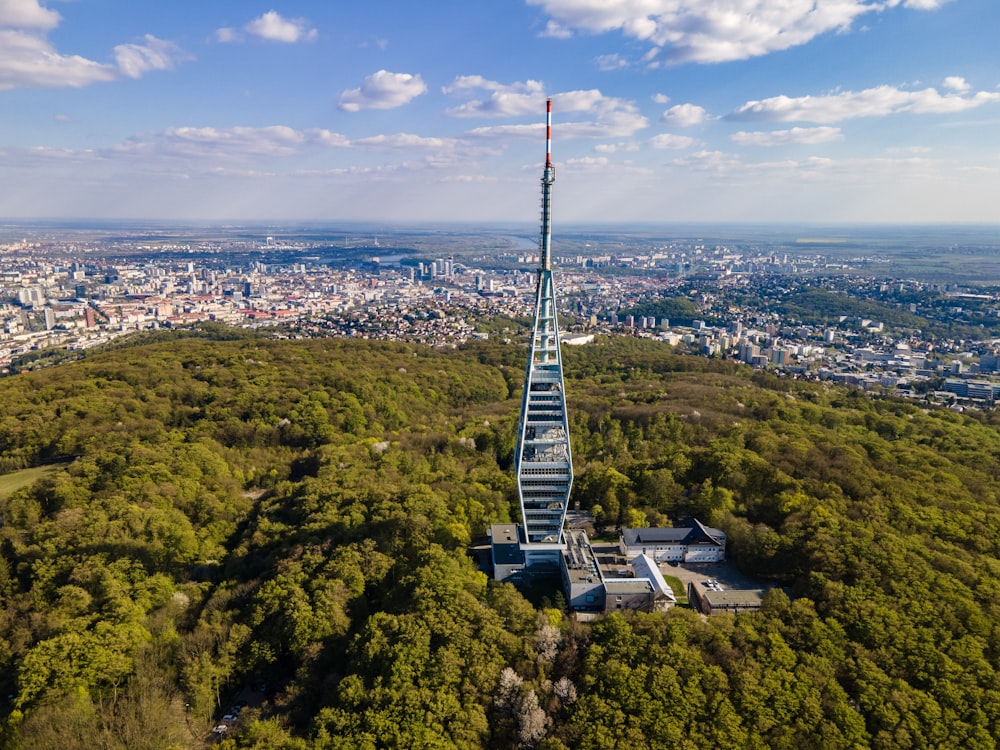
(678, 588)
(11, 483)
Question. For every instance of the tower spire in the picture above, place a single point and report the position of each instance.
(542, 458)
(548, 177)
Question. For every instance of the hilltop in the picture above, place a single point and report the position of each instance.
(294, 516)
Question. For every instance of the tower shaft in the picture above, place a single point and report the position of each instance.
(542, 459)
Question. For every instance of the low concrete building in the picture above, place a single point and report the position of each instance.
(505, 552)
(710, 602)
(629, 593)
(644, 568)
(583, 583)
(589, 589)
(694, 543)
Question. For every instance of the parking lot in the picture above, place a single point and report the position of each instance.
(613, 565)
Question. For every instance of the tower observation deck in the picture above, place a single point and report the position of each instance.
(542, 458)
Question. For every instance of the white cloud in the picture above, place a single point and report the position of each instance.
(610, 117)
(607, 63)
(275, 28)
(919, 4)
(709, 161)
(504, 100)
(554, 30)
(383, 90)
(156, 54)
(211, 148)
(713, 31)
(43, 155)
(328, 138)
(504, 132)
(684, 115)
(661, 98)
(234, 143)
(27, 14)
(613, 148)
(404, 141)
(667, 140)
(808, 136)
(956, 83)
(226, 34)
(29, 60)
(845, 105)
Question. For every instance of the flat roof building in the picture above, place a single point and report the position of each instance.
(505, 551)
(582, 580)
(735, 601)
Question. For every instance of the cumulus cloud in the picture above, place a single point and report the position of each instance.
(808, 136)
(717, 31)
(606, 117)
(27, 14)
(610, 117)
(956, 83)
(670, 141)
(846, 105)
(28, 58)
(501, 100)
(665, 141)
(684, 115)
(383, 90)
(273, 27)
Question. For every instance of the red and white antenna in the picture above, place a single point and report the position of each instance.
(548, 177)
(548, 132)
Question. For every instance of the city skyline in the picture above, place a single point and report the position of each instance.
(732, 110)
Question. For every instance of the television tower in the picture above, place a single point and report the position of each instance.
(542, 457)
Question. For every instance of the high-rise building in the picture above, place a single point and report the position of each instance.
(543, 462)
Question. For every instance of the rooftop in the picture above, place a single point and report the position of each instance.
(506, 546)
(734, 598)
(693, 533)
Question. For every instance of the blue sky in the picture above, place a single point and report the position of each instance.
(822, 111)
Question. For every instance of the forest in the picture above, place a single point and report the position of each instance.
(206, 520)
